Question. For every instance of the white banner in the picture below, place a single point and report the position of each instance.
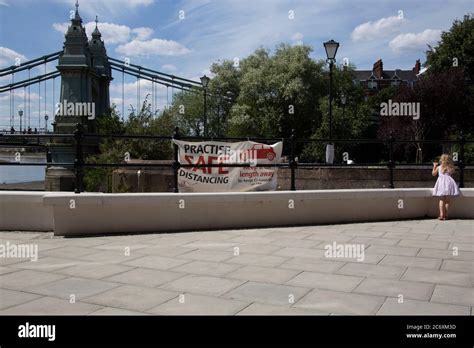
(227, 179)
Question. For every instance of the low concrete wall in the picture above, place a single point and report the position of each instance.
(24, 211)
(160, 179)
(92, 213)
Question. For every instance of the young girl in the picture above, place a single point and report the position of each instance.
(445, 186)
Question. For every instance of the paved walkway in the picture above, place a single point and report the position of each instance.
(408, 267)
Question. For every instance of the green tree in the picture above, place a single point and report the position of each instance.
(277, 93)
(456, 47)
(116, 150)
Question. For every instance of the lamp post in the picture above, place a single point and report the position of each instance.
(46, 118)
(331, 47)
(20, 113)
(343, 102)
(227, 98)
(205, 82)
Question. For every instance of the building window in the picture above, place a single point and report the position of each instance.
(395, 83)
(372, 84)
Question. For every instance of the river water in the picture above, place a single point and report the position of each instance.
(16, 174)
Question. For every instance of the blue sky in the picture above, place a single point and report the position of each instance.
(184, 37)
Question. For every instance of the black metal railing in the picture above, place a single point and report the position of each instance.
(79, 164)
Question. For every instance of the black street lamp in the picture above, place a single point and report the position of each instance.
(331, 49)
(20, 113)
(343, 102)
(205, 82)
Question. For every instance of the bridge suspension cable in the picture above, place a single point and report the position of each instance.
(53, 114)
(29, 99)
(39, 106)
(29, 81)
(159, 79)
(149, 77)
(29, 64)
(123, 95)
(45, 97)
(159, 74)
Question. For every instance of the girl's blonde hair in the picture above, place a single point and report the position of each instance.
(447, 164)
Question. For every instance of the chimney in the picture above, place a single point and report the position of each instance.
(378, 68)
(417, 67)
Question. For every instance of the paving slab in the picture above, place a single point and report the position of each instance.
(300, 252)
(5, 270)
(392, 250)
(275, 294)
(48, 264)
(447, 254)
(438, 277)
(263, 274)
(51, 306)
(431, 244)
(27, 279)
(325, 281)
(11, 298)
(79, 287)
(392, 306)
(458, 266)
(207, 268)
(265, 309)
(453, 295)
(296, 243)
(257, 260)
(368, 270)
(116, 311)
(410, 261)
(208, 255)
(374, 241)
(69, 252)
(312, 265)
(156, 262)
(131, 297)
(199, 284)
(190, 304)
(93, 270)
(145, 277)
(394, 288)
(340, 302)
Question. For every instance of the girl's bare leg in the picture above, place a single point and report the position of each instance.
(446, 206)
(441, 209)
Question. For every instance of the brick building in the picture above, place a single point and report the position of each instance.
(378, 78)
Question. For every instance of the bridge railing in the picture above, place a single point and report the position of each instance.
(290, 160)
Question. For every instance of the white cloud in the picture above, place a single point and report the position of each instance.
(8, 56)
(381, 28)
(61, 27)
(297, 37)
(413, 41)
(142, 33)
(159, 47)
(111, 33)
(106, 8)
(169, 67)
(131, 87)
(136, 3)
(4, 3)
